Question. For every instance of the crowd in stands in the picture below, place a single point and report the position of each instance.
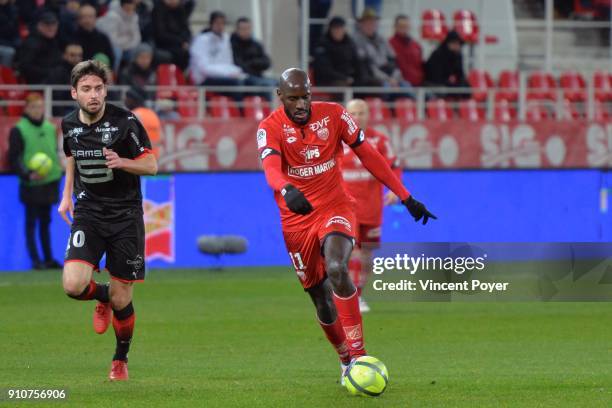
(365, 58)
(41, 40)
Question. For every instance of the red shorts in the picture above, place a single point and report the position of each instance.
(369, 234)
(306, 246)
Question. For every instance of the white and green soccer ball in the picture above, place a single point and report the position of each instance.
(40, 163)
(367, 376)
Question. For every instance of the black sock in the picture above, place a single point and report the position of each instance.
(123, 323)
(101, 293)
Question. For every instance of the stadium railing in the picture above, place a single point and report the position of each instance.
(196, 102)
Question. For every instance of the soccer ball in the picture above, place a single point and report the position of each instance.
(40, 163)
(367, 376)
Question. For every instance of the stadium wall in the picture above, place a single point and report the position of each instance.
(480, 205)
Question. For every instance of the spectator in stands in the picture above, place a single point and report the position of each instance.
(28, 11)
(444, 68)
(99, 5)
(250, 55)
(145, 21)
(60, 75)
(409, 55)
(171, 30)
(68, 20)
(135, 101)
(40, 52)
(212, 60)
(140, 72)
(92, 40)
(336, 62)
(121, 26)
(376, 53)
(9, 32)
(33, 134)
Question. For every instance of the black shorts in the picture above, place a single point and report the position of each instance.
(122, 240)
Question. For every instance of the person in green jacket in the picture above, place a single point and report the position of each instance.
(33, 134)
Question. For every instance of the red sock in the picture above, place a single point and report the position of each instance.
(335, 335)
(350, 316)
(354, 267)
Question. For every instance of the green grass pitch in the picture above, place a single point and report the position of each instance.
(248, 337)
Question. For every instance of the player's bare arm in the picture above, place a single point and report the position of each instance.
(143, 166)
(67, 205)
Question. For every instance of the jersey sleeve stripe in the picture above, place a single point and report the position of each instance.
(268, 151)
(143, 154)
(360, 139)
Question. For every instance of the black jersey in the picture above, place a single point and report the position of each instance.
(99, 190)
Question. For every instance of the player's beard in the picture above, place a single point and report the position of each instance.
(92, 114)
(299, 121)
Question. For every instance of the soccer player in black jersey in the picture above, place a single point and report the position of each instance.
(107, 151)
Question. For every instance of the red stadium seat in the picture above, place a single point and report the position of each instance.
(469, 110)
(223, 107)
(378, 109)
(13, 97)
(466, 25)
(509, 86)
(600, 111)
(569, 110)
(167, 76)
(405, 109)
(535, 110)
(573, 85)
(187, 103)
(433, 25)
(504, 111)
(542, 85)
(256, 107)
(438, 109)
(602, 81)
(481, 82)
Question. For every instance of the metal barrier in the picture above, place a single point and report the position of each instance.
(198, 101)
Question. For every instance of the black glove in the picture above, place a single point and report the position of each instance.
(418, 210)
(295, 199)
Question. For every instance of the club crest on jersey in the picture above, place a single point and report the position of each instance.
(323, 134)
(291, 139)
(106, 138)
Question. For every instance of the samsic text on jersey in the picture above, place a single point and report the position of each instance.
(97, 187)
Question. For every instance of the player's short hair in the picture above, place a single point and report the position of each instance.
(33, 97)
(400, 17)
(242, 20)
(89, 67)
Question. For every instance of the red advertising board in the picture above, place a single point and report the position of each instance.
(230, 144)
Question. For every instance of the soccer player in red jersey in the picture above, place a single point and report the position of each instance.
(300, 144)
(368, 194)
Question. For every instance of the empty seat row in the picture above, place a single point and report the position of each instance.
(473, 110)
(541, 85)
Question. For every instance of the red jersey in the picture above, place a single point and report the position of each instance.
(310, 156)
(361, 184)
